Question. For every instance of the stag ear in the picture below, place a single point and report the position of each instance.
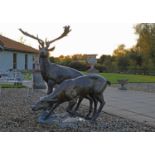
(51, 49)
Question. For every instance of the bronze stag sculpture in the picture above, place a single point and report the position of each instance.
(52, 73)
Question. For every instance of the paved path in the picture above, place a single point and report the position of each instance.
(134, 105)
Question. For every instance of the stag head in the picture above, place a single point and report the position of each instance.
(44, 46)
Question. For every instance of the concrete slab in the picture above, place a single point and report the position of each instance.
(134, 105)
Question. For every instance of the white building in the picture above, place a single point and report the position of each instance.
(14, 55)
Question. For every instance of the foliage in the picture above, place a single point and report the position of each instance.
(27, 75)
(146, 41)
(100, 68)
(77, 61)
(81, 66)
(119, 51)
(52, 59)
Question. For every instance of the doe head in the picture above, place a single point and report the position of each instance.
(40, 105)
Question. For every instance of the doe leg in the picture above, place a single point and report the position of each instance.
(95, 106)
(102, 103)
(51, 110)
(78, 104)
(90, 107)
(70, 107)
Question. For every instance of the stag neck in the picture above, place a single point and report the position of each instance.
(44, 56)
(43, 59)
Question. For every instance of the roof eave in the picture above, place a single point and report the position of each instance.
(21, 51)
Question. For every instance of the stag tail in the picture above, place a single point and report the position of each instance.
(109, 83)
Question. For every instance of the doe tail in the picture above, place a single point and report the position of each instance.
(109, 83)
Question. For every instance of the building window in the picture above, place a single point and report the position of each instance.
(33, 59)
(14, 61)
(26, 61)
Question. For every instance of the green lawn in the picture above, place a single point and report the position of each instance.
(5, 85)
(132, 78)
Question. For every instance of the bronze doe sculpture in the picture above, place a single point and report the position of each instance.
(89, 85)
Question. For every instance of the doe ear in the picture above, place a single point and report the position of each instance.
(51, 49)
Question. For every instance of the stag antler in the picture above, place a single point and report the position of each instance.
(41, 42)
(47, 43)
(64, 34)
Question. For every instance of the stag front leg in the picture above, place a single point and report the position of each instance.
(50, 85)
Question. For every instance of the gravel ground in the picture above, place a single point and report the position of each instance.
(16, 116)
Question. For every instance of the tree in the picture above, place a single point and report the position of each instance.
(22, 40)
(52, 59)
(78, 57)
(104, 58)
(146, 40)
(121, 57)
(120, 50)
(123, 63)
(135, 56)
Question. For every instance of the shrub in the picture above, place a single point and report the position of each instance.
(81, 66)
(101, 68)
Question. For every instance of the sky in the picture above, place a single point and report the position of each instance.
(85, 38)
(98, 26)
